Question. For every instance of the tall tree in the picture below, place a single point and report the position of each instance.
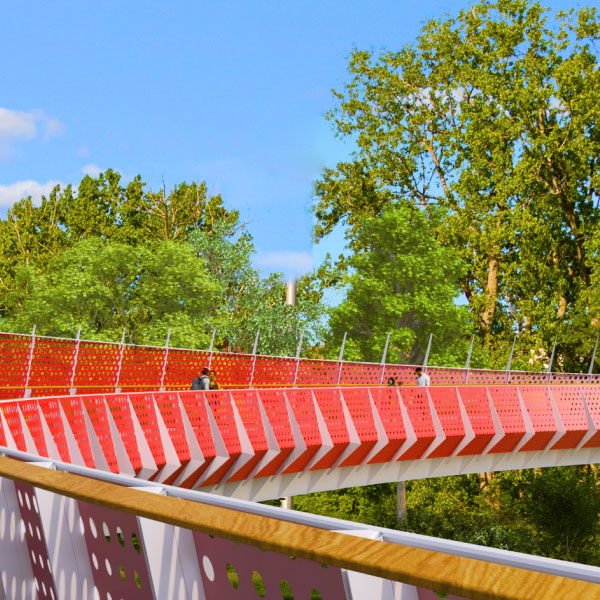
(490, 116)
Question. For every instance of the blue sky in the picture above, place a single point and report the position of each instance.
(233, 93)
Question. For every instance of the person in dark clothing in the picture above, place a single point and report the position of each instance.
(391, 381)
(214, 384)
(202, 382)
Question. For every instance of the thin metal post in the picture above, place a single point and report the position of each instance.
(340, 358)
(27, 391)
(254, 356)
(510, 359)
(210, 349)
(298, 356)
(593, 359)
(469, 359)
(117, 388)
(384, 356)
(427, 353)
(72, 390)
(552, 359)
(164, 369)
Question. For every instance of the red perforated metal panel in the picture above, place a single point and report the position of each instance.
(145, 411)
(356, 373)
(14, 360)
(478, 376)
(592, 397)
(13, 420)
(246, 403)
(507, 405)
(318, 372)
(303, 408)
(387, 404)
(73, 409)
(96, 411)
(528, 377)
(477, 405)
(183, 366)
(569, 378)
(141, 369)
(446, 376)
(402, 374)
(358, 402)
(569, 402)
(120, 411)
(97, 368)
(273, 402)
(445, 402)
(539, 409)
(220, 406)
(52, 367)
(330, 404)
(31, 415)
(272, 371)
(194, 404)
(233, 370)
(51, 411)
(417, 406)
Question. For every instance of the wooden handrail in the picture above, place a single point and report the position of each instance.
(458, 575)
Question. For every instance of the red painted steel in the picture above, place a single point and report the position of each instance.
(13, 420)
(572, 414)
(183, 366)
(73, 409)
(478, 376)
(14, 360)
(446, 376)
(528, 377)
(403, 375)
(539, 409)
(508, 408)
(355, 373)
(592, 398)
(31, 416)
(97, 368)
(330, 404)
(222, 411)
(447, 408)
(301, 402)
(233, 370)
(416, 403)
(52, 367)
(120, 411)
(275, 407)
(477, 405)
(96, 410)
(359, 406)
(318, 372)
(145, 411)
(168, 405)
(387, 404)
(141, 369)
(246, 402)
(194, 405)
(52, 413)
(271, 371)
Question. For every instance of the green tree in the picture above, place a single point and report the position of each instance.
(491, 116)
(400, 280)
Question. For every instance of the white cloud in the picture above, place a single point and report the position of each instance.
(17, 126)
(9, 194)
(289, 262)
(91, 170)
(83, 151)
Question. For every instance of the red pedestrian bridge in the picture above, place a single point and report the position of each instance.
(118, 482)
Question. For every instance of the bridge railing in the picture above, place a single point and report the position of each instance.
(32, 365)
(71, 532)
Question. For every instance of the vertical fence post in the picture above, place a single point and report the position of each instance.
(384, 356)
(210, 349)
(593, 360)
(469, 360)
(117, 388)
(72, 390)
(427, 353)
(552, 359)
(164, 369)
(510, 359)
(298, 357)
(254, 349)
(341, 358)
(27, 391)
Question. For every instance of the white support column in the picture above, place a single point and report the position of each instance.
(164, 369)
(27, 391)
(427, 353)
(254, 349)
(387, 343)
(122, 351)
(469, 360)
(552, 359)
(298, 357)
(593, 360)
(72, 390)
(510, 359)
(210, 349)
(341, 358)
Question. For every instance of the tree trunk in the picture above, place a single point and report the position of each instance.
(491, 297)
(401, 500)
